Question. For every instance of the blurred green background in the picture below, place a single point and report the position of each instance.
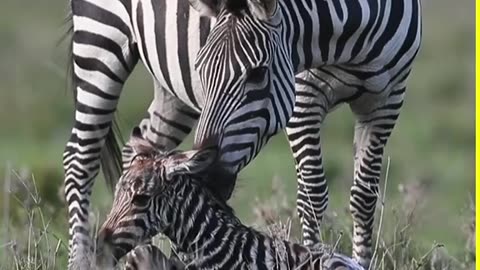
(431, 149)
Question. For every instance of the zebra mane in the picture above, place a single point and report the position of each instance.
(262, 9)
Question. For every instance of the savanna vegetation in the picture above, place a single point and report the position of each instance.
(428, 212)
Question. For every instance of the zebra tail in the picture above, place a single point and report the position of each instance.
(111, 156)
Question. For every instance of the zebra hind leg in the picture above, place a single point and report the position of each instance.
(303, 132)
(102, 62)
(372, 131)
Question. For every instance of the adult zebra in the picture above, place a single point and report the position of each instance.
(247, 95)
(357, 52)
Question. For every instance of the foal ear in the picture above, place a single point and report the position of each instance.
(206, 8)
(262, 9)
(190, 162)
(138, 144)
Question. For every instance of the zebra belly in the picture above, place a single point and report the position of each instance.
(338, 87)
(169, 34)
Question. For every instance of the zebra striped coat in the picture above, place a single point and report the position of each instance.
(149, 257)
(174, 194)
(359, 52)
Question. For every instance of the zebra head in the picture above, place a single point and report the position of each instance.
(142, 206)
(237, 64)
(241, 41)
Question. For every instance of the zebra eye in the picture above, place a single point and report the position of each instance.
(140, 200)
(257, 74)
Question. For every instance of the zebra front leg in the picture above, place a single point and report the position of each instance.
(303, 132)
(103, 57)
(372, 131)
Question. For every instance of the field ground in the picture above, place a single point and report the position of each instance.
(431, 151)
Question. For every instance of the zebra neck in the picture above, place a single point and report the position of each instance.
(196, 218)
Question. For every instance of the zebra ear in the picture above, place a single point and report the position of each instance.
(262, 9)
(190, 162)
(207, 8)
(138, 144)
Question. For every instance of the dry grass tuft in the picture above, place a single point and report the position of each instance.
(395, 248)
(33, 246)
(29, 240)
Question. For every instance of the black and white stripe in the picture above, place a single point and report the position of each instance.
(356, 52)
(109, 37)
(149, 257)
(169, 193)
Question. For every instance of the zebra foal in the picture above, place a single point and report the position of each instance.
(176, 194)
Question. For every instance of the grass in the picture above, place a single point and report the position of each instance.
(395, 247)
(431, 147)
(37, 246)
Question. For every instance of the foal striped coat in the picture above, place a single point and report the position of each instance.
(175, 194)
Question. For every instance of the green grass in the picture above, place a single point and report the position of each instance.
(433, 142)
